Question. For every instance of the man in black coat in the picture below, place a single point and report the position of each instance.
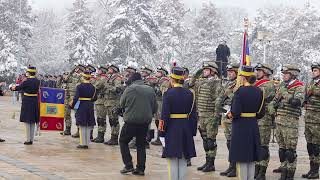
(223, 53)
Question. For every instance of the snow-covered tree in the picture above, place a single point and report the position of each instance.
(10, 21)
(207, 34)
(47, 47)
(81, 42)
(169, 14)
(131, 33)
(7, 55)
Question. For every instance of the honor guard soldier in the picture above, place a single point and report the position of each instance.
(162, 85)
(99, 84)
(30, 114)
(178, 125)
(223, 104)
(264, 72)
(287, 107)
(113, 90)
(85, 120)
(312, 122)
(207, 89)
(246, 108)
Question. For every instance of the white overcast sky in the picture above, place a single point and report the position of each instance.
(250, 5)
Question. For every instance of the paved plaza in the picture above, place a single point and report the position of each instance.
(56, 157)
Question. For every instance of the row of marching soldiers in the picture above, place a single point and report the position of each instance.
(284, 102)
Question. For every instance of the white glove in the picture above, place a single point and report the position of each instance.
(163, 141)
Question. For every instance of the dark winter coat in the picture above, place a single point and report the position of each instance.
(30, 106)
(178, 132)
(139, 103)
(245, 138)
(85, 113)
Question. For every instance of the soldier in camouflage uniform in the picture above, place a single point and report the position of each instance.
(113, 90)
(72, 80)
(207, 89)
(101, 111)
(162, 85)
(264, 72)
(312, 122)
(287, 105)
(223, 105)
(67, 111)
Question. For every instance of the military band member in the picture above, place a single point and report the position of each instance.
(287, 107)
(247, 106)
(207, 89)
(178, 125)
(264, 72)
(30, 114)
(85, 120)
(223, 104)
(101, 111)
(312, 122)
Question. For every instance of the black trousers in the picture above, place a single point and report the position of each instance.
(129, 131)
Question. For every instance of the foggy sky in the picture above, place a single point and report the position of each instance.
(250, 5)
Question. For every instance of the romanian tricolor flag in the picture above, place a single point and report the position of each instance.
(245, 60)
(52, 109)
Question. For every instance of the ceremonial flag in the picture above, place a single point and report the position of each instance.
(52, 109)
(245, 60)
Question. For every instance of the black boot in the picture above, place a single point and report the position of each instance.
(226, 172)
(256, 170)
(283, 174)
(99, 138)
(113, 141)
(156, 142)
(307, 175)
(91, 135)
(189, 163)
(76, 135)
(233, 172)
(278, 170)
(210, 166)
(290, 174)
(203, 166)
(2, 140)
(262, 173)
(66, 132)
(314, 171)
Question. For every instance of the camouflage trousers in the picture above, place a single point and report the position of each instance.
(312, 134)
(113, 121)
(208, 129)
(67, 113)
(265, 136)
(101, 117)
(227, 128)
(287, 138)
(157, 116)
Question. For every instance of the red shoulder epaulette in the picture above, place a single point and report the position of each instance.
(261, 82)
(297, 83)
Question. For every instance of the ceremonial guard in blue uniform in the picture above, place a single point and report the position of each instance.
(247, 106)
(178, 125)
(30, 113)
(86, 94)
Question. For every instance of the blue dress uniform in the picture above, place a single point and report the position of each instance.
(86, 94)
(178, 125)
(247, 106)
(30, 113)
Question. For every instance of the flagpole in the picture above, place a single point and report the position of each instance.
(244, 49)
